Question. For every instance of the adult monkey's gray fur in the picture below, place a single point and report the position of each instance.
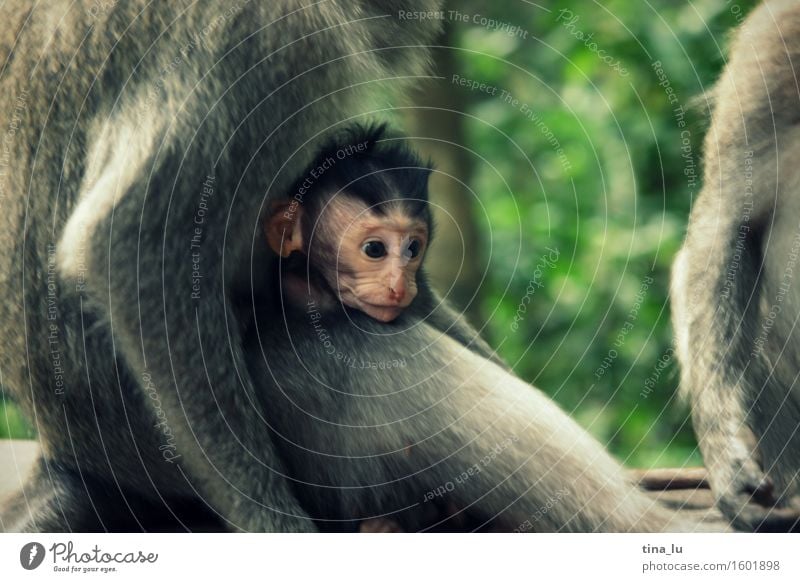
(132, 367)
(736, 298)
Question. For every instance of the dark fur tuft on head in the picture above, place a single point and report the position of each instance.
(372, 164)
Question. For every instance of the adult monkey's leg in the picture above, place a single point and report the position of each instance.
(135, 143)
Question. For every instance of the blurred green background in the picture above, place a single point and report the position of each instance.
(598, 159)
(567, 162)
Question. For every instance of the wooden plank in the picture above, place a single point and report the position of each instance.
(666, 479)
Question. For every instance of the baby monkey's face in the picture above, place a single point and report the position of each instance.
(369, 258)
(372, 258)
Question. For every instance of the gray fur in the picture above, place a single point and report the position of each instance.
(107, 163)
(144, 395)
(739, 364)
(365, 434)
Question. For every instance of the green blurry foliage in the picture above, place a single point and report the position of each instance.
(614, 202)
(12, 424)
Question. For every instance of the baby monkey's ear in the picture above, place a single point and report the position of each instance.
(282, 227)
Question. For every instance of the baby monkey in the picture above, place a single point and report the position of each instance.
(353, 232)
(357, 225)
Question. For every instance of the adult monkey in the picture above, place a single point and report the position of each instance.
(735, 298)
(141, 133)
(138, 135)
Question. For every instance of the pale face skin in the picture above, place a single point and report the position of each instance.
(370, 260)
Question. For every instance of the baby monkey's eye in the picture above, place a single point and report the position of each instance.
(374, 249)
(414, 248)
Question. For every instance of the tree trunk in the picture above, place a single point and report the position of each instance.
(455, 261)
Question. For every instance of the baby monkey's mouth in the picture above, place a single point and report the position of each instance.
(382, 307)
(384, 312)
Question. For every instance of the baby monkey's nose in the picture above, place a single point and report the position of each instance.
(397, 288)
(398, 292)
